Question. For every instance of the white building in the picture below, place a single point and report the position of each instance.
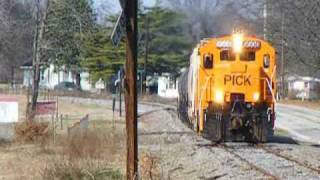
(167, 86)
(50, 77)
(303, 87)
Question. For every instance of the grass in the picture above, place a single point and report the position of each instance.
(149, 166)
(32, 131)
(66, 170)
(98, 153)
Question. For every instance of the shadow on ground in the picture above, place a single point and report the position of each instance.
(283, 140)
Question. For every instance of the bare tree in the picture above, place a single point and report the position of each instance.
(38, 44)
(15, 36)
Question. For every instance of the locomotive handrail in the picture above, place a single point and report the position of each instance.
(202, 93)
(204, 88)
(269, 83)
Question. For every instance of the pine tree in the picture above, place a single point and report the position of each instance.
(100, 57)
(68, 22)
(169, 43)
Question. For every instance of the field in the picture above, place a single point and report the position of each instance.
(96, 152)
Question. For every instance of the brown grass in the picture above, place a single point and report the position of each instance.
(89, 145)
(91, 154)
(99, 152)
(30, 131)
(77, 170)
(149, 166)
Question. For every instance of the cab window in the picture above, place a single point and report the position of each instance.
(248, 56)
(227, 55)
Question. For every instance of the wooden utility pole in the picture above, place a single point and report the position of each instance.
(130, 11)
(120, 92)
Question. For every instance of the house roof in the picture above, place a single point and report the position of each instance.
(27, 64)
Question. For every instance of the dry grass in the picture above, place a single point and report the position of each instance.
(29, 131)
(96, 154)
(92, 154)
(91, 144)
(149, 166)
(77, 170)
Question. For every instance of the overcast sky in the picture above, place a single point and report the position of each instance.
(115, 6)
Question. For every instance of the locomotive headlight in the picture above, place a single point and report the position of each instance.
(237, 43)
(256, 96)
(218, 96)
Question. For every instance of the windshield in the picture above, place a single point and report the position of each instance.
(227, 55)
(248, 56)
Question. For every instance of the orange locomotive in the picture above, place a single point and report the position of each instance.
(228, 91)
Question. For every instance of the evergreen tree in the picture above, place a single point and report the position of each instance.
(169, 42)
(68, 22)
(100, 57)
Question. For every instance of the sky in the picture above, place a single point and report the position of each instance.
(115, 6)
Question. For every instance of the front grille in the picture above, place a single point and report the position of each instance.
(237, 97)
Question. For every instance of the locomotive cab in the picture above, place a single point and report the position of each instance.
(231, 88)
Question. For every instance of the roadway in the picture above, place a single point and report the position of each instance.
(301, 123)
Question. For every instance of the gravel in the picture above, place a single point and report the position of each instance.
(183, 154)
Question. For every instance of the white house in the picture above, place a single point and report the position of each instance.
(304, 87)
(50, 77)
(167, 86)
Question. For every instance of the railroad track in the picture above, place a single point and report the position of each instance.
(259, 157)
(270, 163)
(284, 167)
(252, 165)
(306, 165)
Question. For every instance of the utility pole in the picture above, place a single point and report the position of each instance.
(130, 10)
(144, 80)
(120, 91)
(265, 17)
(282, 57)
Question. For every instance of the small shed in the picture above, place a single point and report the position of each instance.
(303, 87)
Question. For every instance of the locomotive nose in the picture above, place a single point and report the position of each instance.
(243, 79)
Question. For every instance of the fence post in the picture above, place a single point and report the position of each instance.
(53, 128)
(61, 121)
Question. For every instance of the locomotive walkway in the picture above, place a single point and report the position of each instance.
(302, 123)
